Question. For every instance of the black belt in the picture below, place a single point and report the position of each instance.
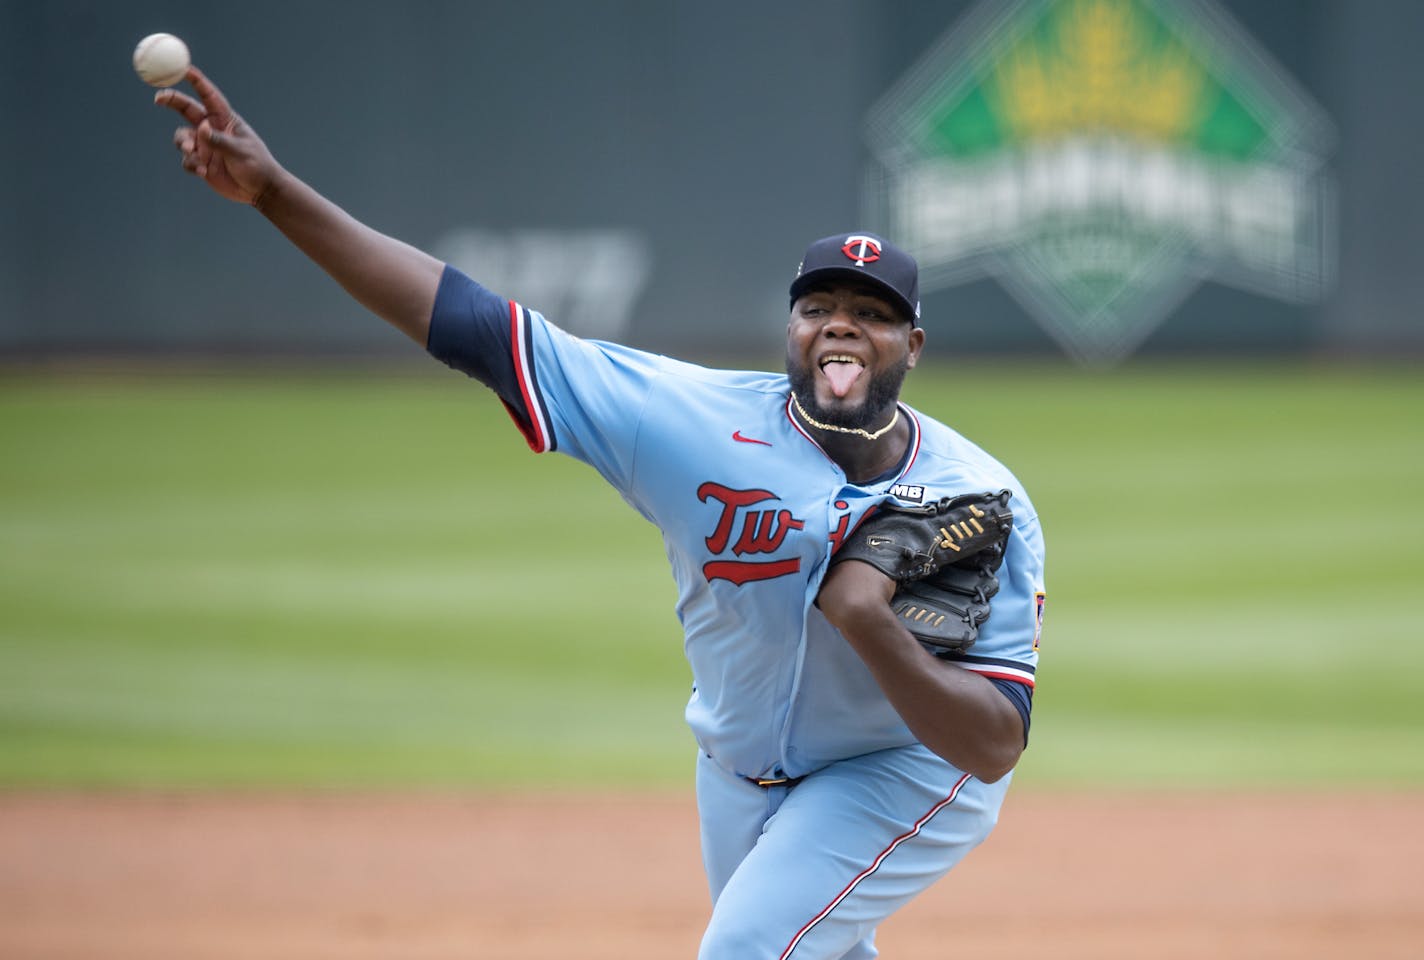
(775, 781)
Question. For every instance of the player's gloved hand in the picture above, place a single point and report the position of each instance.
(946, 610)
(943, 558)
(217, 145)
(913, 542)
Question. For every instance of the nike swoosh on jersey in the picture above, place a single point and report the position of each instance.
(737, 436)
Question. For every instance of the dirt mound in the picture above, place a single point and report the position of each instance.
(361, 877)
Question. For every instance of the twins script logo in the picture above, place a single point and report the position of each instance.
(751, 525)
(762, 532)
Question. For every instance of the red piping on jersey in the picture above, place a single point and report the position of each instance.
(997, 674)
(534, 430)
(919, 434)
(801, 430)
(875, 865)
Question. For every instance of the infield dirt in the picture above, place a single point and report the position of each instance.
(213, 876)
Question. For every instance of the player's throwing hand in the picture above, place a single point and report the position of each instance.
(217, 145)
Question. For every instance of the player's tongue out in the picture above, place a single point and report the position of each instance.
(841, 374)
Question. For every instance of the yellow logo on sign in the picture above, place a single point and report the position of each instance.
(1106, 69)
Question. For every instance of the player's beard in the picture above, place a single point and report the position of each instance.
(880, 397)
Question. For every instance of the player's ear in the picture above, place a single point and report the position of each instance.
(916, 344)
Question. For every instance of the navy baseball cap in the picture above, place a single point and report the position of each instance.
(867, 258)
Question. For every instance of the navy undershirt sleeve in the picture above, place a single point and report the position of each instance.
(470, 332)
(1020, 695)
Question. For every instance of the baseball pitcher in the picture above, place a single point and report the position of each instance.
(860, 587)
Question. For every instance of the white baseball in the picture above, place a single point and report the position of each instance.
(161, 59)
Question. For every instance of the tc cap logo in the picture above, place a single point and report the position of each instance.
(862, 250)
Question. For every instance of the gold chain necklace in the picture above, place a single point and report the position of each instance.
(857, 431)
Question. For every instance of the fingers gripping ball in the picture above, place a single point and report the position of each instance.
(161, 59)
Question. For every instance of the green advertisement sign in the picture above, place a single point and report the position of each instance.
(1102, 158)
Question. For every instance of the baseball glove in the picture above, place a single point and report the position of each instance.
(944, 556)
(945, 611)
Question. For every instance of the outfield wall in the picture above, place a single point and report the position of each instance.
(638, 170)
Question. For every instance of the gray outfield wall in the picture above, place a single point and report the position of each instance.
(643, 171)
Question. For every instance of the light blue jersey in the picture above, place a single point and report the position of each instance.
(751, 510)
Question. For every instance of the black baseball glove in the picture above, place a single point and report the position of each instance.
(944, 556)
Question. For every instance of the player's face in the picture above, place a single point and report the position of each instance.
(847, 353)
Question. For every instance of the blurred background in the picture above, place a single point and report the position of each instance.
(652, 171)
(1173, 260)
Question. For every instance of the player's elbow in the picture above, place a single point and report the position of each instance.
(996, 771)
(990, 756)
(992, 766)
(1005, 748)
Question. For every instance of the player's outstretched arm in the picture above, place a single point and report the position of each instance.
(391, 279)
(959, 715)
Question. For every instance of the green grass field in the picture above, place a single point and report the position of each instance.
(324, 580)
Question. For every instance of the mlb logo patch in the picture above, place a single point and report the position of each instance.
(908, 491)
(1038, 599)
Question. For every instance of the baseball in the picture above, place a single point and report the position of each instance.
(161, 59)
